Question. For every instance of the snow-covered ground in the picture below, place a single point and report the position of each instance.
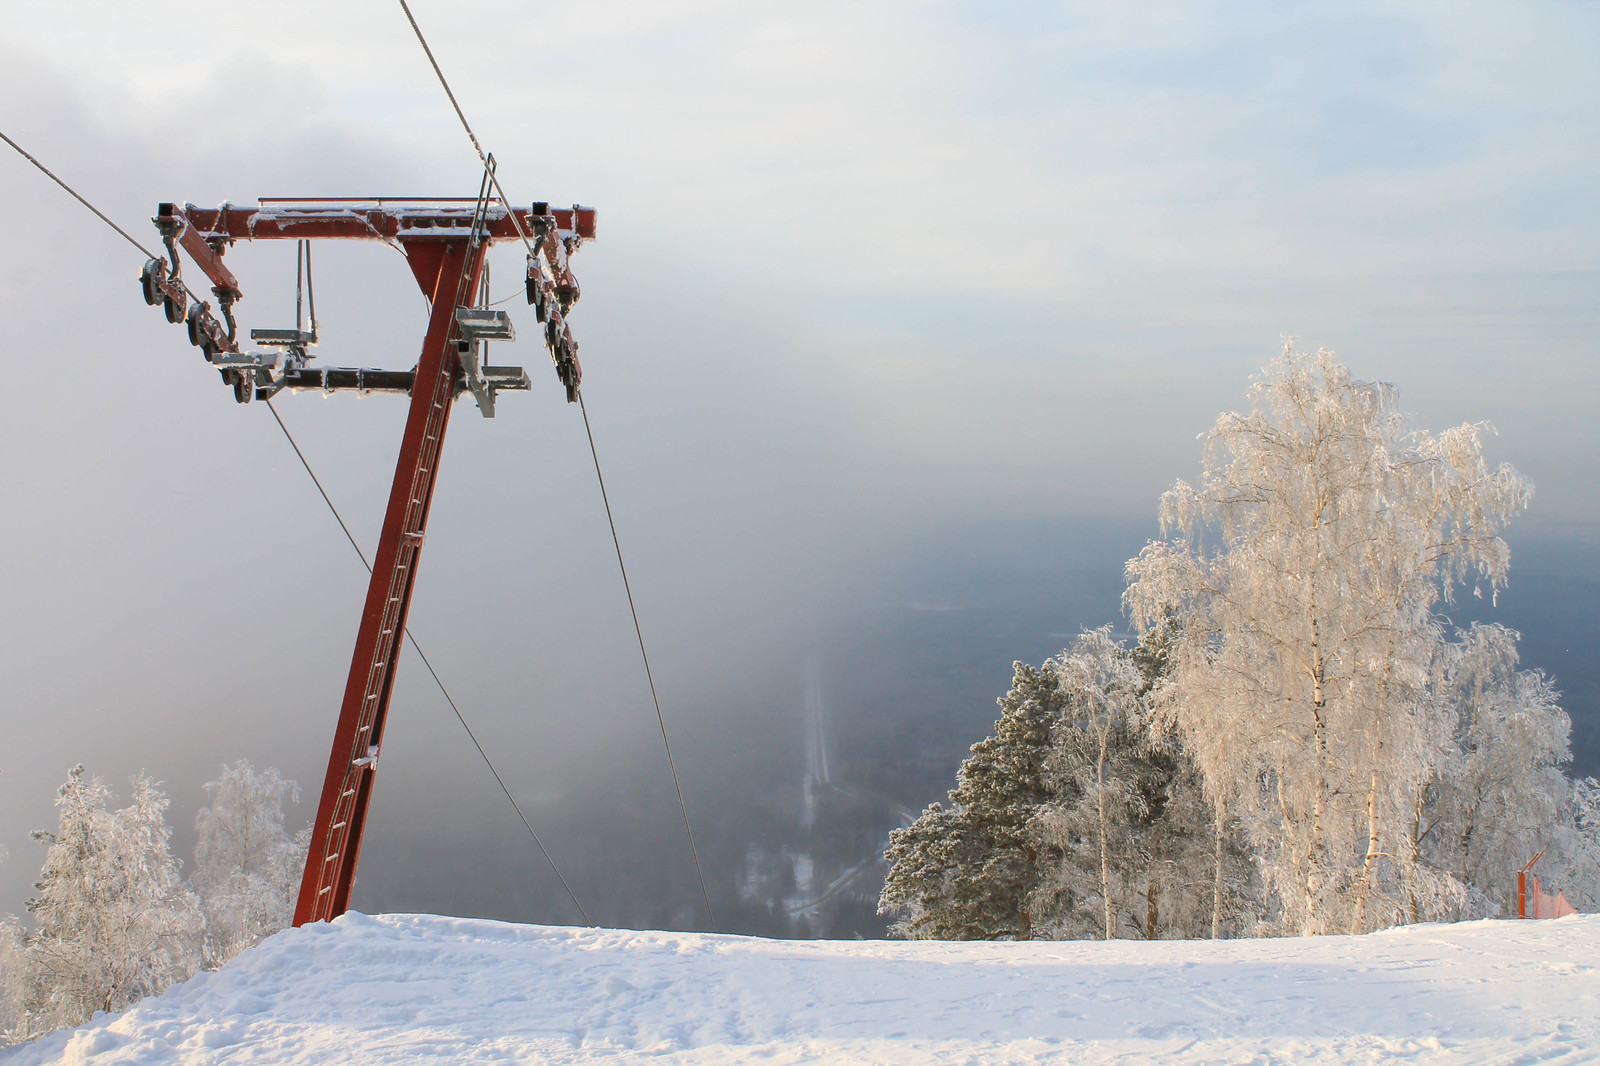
(410, 988)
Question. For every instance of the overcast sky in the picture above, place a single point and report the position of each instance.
(866, 272)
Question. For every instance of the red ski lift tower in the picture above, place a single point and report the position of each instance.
(446, 242)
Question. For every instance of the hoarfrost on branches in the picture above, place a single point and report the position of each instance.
(114, 920)
(1127, 832)
(13, 977)
(246, 866)
(1298, 705)
(1095, 759)
(1576, 858)
(1497, 789)
(1073, 820)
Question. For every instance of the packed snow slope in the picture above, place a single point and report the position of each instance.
(417, 988)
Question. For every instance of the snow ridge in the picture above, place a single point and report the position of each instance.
(406, 988)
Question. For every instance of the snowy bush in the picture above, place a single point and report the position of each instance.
(114, 921)
(246, 867)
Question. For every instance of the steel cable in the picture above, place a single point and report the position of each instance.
(661, 720)
(148, 254)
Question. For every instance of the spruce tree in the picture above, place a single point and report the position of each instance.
(968, 871)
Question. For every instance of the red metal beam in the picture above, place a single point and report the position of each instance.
(208, 259)
(444, 269)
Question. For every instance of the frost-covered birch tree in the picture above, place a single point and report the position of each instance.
(1305, 567)
(1577, 844)
(114, 920)
(1096, 753)
(246, 866)
(1098, 828)
(1497, 791)
(1127, 836)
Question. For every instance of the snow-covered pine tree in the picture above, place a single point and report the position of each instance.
(1304, 570)
(968, 871)
(114, 920)
(926, 858)
(246, 866)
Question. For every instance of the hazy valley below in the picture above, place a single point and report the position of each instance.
(900, 685)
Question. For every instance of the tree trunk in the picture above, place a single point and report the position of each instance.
(1216, 880)
(1464, 875)
(1105, 860)
(1358, 921)
(1319, 705)
(1416, 853)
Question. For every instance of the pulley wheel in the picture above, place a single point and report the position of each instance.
(147, 282)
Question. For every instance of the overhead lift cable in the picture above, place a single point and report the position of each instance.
(639, 632)
(46, 171)
(661, 720)
(101, 215)
(348, 536)
(473, 137)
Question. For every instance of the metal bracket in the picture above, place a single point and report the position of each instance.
(474, 325)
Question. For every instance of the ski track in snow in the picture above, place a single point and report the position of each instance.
(404, 988)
